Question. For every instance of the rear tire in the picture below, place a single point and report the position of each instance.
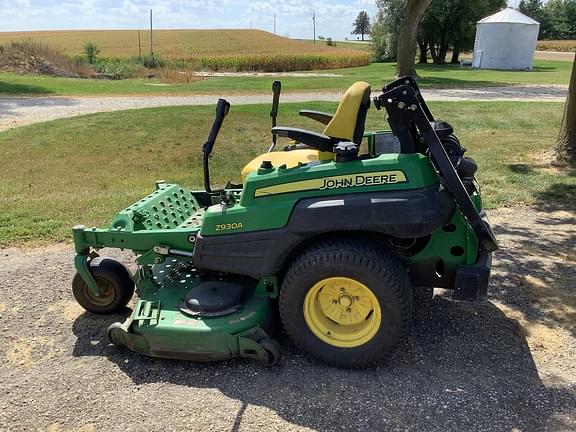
(347, 303)
(113, 278)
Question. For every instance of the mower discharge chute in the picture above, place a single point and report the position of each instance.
(334, 234)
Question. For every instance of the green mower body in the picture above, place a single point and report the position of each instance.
(211, 265)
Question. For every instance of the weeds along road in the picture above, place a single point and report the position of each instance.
(21, 111)
(508, 364)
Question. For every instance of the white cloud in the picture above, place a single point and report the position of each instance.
(334, 18)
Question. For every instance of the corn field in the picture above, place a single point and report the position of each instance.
(218, 50)
(557, 45)
(283, 62)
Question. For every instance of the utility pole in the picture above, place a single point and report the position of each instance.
(314, 22)
(151, 38)
(274, 24)
(139, 46)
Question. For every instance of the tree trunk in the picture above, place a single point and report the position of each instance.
(406, 65)
(442, 54)
(566, 145)
(423, 52)
(433, 53)
(362, 36)
(455, 55)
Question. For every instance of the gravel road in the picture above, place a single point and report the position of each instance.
(20, 111)
(508, 364)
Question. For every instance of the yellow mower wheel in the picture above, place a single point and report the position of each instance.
(346, 302)
(342, 312)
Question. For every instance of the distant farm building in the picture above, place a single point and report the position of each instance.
(506, 40)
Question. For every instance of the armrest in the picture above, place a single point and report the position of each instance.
(312, 139)
(321, 117)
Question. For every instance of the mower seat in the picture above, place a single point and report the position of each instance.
(347, 124)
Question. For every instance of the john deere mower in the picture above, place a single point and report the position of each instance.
(329, 237)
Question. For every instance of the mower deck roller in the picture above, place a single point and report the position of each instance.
(330, 234)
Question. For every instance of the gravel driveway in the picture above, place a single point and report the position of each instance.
(20, 111)
(504, 365)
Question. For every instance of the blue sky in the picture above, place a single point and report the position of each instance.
(294, 17)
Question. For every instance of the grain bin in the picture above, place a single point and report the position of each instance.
(506, 40)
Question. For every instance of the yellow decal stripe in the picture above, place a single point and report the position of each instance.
(335, 182)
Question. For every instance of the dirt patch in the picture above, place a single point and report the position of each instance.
(505, 364)
(25, 352)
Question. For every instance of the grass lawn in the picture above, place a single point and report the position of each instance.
(83, 170)
(377, 74)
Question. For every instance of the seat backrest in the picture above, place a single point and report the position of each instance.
(350, 118)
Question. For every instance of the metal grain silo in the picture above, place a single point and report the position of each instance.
(506, 40)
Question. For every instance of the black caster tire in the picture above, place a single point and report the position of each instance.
(273, 350)
(113, 278)
(347, 303)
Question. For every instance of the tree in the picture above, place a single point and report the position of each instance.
(566, 145)
(451, 24)
(406, 64)
(362, 24)
(91, 50)
(378, 43)
(386, 28)
(531, 8)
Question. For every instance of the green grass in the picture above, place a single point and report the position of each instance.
(545, 72)
(85, 169)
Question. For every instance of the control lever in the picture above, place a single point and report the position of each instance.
(276, 90)
(222, 109)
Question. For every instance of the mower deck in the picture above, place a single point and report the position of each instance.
(157, 327)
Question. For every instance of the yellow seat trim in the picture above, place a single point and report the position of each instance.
(343, 124)
(289, 158)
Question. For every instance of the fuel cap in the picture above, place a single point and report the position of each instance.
(346, 151)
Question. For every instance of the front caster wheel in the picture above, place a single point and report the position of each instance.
(115, 282)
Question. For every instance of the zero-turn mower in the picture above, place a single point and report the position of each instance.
(333, 233)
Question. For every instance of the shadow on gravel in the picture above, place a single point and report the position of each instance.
(536, 273)
(9, 106)
(465, 367)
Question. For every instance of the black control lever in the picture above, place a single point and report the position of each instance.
(276, 90)
(222, 109)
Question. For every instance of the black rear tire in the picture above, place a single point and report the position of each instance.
(364, 262)
(111, 276)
